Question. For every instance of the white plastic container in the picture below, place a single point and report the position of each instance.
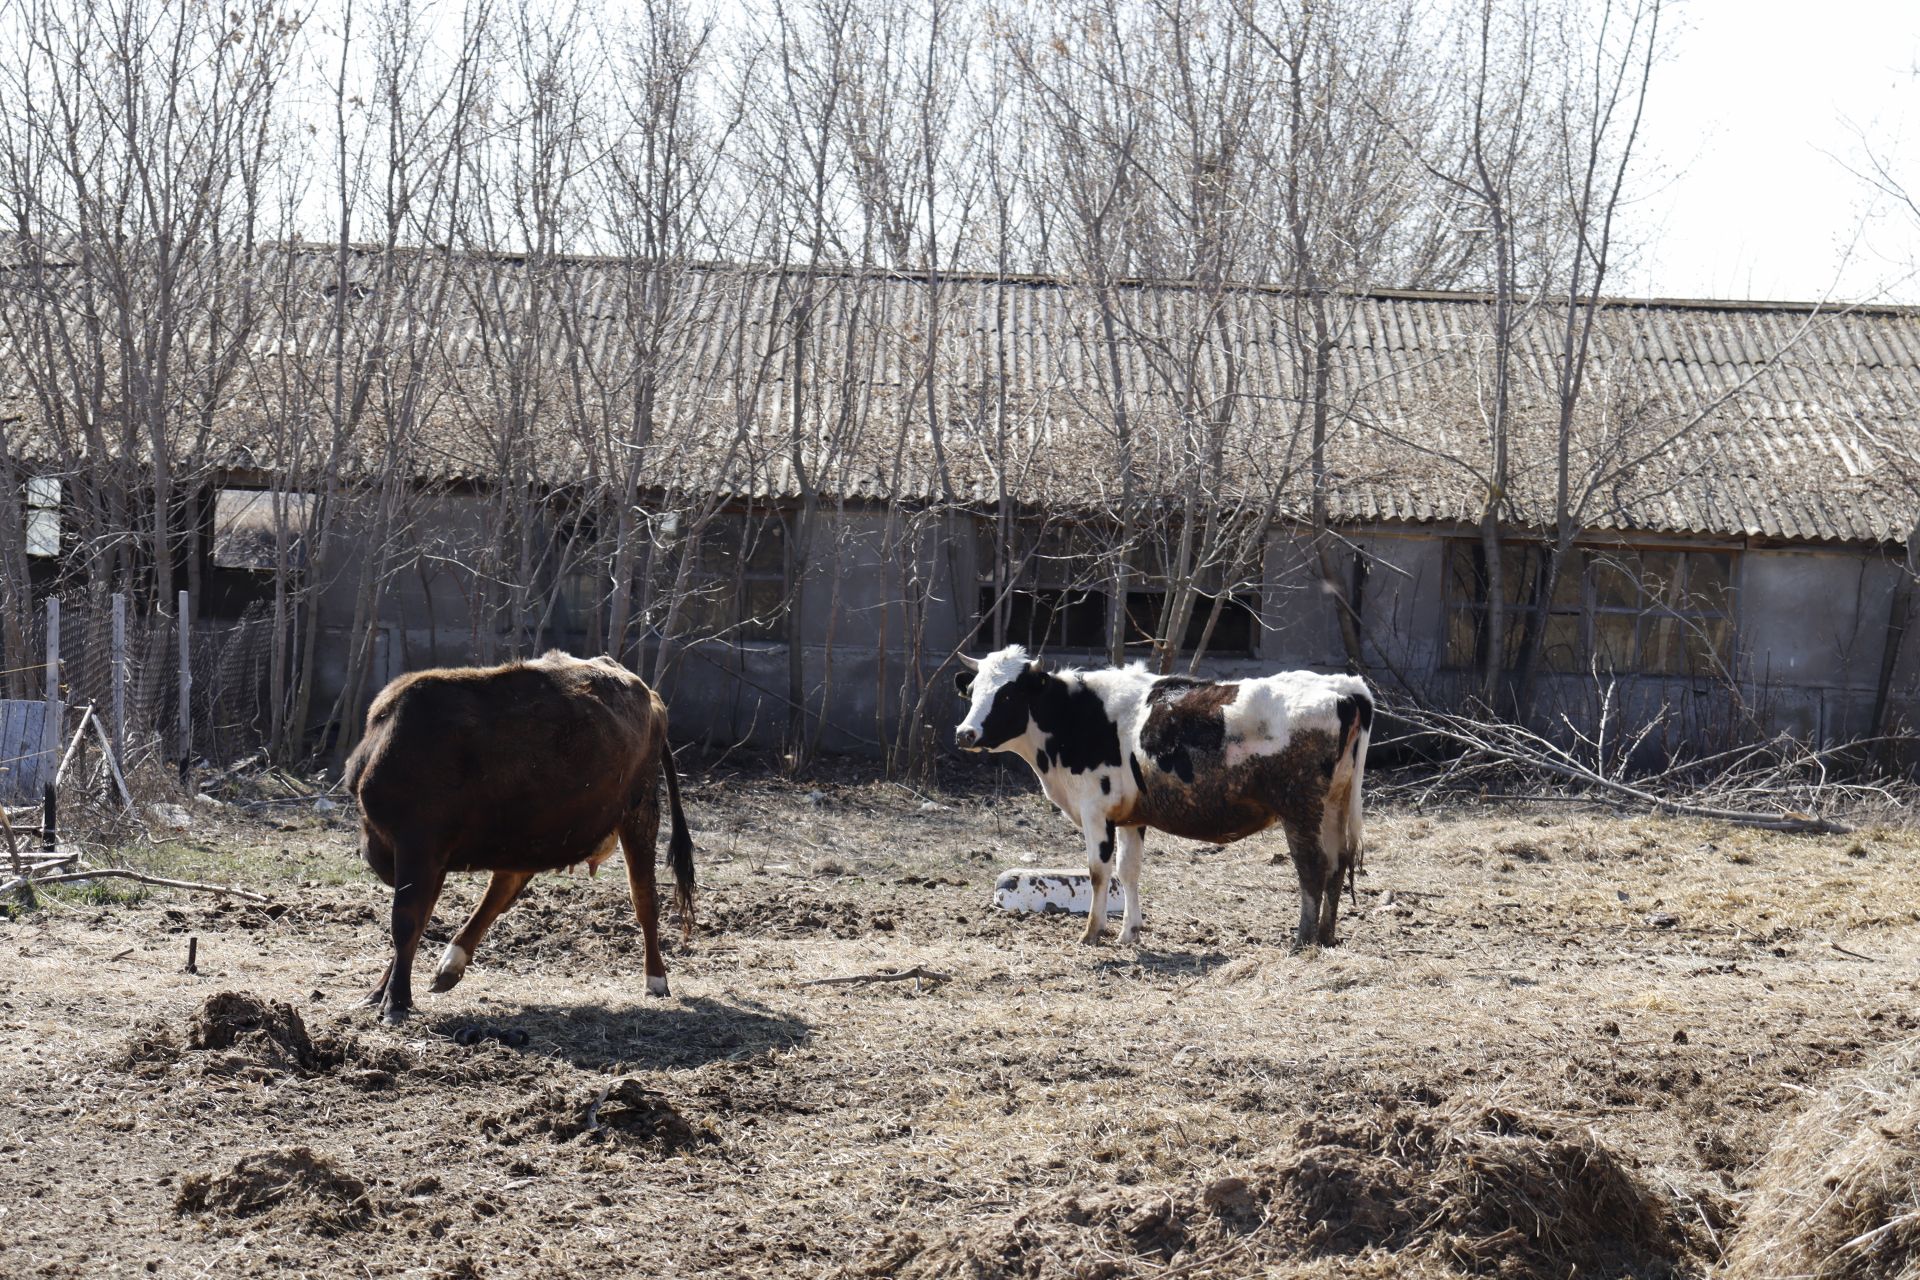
(1043, 890)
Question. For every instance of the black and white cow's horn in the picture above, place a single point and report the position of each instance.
(971, 664)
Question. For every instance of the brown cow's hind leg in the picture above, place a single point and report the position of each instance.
(413, 900)
(501, 892)
(377, 997)
(638, 832)
(379, 856)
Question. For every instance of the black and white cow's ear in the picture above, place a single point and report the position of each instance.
(963, 681)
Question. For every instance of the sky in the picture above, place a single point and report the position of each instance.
(1750, 127)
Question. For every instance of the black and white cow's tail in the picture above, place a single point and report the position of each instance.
(680, 845)
(1356, 718)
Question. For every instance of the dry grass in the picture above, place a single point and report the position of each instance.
(1507, 1068)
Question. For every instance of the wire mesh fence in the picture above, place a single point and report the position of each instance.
(228, 664)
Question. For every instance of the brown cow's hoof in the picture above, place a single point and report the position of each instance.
(657, 985)
(395, 1015)
(453, 967)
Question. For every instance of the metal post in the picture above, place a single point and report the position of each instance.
(185, 624)
(119, 676)
(51, 735)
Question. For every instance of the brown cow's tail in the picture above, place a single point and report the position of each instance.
(680, 846)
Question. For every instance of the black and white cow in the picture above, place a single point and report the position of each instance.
(1121, 750)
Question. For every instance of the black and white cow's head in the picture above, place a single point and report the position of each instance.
(1000, 688)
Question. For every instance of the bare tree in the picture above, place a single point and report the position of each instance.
(135, 142)
(1361, 108)
(396, 175)
(1599, 114)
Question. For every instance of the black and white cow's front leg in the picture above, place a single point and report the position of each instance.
(1133, 848)
(1100, 845)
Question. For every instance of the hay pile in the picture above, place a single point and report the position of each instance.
(1839, 1196)
(1467, 1189)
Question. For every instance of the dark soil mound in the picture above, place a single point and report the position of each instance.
(233, 1033)
(1492, 1191)
(1483, 1191)
(271, 1033)
(626, 1111)
(296, 1183)
(786, 917)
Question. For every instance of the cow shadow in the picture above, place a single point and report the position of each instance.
(665, 1035)
(1179, 963)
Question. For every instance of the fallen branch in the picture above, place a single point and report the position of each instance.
(901, 975)
(120, 873)
(79, 736)
(1516, 745)
(13, 853)
(106, 749)
(1855, 954)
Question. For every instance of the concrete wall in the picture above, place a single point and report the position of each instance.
(860, 641)
(1814, 631)
(1811, 630)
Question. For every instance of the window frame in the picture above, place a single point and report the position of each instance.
(1675, 608)
(582, 581)
(263, 496)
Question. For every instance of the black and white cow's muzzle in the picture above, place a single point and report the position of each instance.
(966, 739)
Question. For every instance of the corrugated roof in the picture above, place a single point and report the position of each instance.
(766, 382)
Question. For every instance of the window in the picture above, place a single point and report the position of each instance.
(584, 578)
(247, 524)
(1238, 628)
(742, 575)
(1655, 612)
(1060, 598)
(43, 516)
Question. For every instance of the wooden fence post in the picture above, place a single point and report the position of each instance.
(185, 624)
(52, 734)
(119, 676)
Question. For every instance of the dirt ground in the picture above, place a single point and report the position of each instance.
(1552, 1043)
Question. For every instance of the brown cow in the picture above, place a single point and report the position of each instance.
(513, 770)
